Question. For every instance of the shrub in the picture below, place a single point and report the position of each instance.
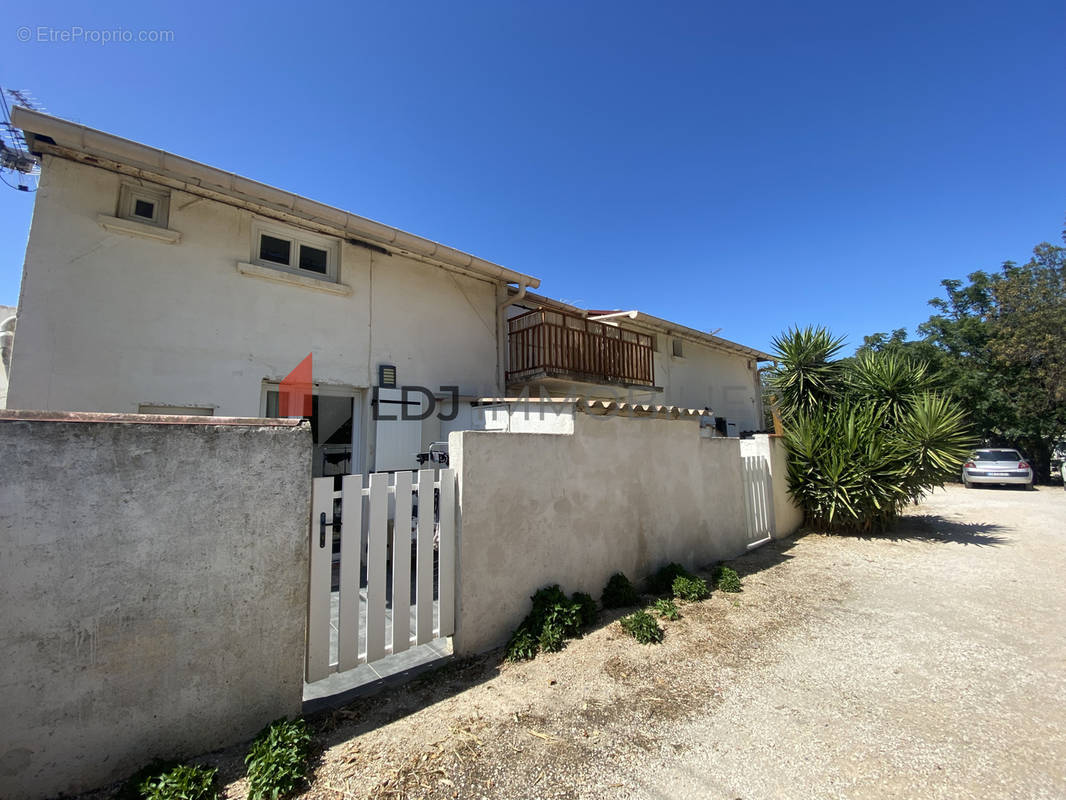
(725, 579)
(662, 581)
(551, 638)
(864, 437)
(691, 589)
(587, 608)
(666, 608)
(553, 618)
(619, 592)
(278, 760)
(522, 645)
(185, 782)
(642, 626)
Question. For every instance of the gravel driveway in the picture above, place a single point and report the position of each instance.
(929, 663)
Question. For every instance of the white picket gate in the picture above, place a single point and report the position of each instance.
(758, 498)
(366, 597)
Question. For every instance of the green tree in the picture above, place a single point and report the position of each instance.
(997, 343)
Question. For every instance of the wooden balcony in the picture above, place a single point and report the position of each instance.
(549, 344)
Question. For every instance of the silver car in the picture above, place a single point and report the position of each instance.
(997, 465)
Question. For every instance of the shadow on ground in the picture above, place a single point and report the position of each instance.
(935, 528)
(391, 703)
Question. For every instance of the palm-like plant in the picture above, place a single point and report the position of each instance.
(862, 441)
(807, 376)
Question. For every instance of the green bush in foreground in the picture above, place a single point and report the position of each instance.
(666, 609)
(588, 610)
(642, 626)
(553, 618)
(279, 760)
(183, 782)
(691, 589)
(619, 592)
(726, 579)
(662, 582)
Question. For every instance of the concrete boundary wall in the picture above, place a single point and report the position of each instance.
(625, 494)
(153, 581)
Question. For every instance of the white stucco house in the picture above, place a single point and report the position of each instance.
(156, 284)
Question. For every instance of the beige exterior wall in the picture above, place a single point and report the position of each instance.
(159, 610)
(620, 493)
(109, 321)
(728, 383)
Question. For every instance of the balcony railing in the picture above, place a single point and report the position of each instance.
(544, 343)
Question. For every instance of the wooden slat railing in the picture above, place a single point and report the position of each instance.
(543, 342)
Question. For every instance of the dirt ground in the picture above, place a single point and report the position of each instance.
(930, 662)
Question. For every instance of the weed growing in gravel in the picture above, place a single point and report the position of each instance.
(161, 781)
(690, 589)
(662, 581)
(619, 592)
(726, 579)
(666, 609)
(278, 760)
(553, 619)
(642, 626)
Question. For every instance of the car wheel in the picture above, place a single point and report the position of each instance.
(966, 484)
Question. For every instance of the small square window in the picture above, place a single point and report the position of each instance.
(144, 208)
(147, 204)
(273, 249)
(314, 259)
(678, 348)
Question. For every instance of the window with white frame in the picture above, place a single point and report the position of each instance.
(147, 204)
(295, 251)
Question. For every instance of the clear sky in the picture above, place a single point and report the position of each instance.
(738, 166)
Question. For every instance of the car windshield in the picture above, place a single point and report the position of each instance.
(997, 455)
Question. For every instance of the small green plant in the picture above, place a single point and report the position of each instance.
(666, 609)
(279, 760)
(523, 644)
(551, 638)
(662, 582)
(619, 592)
(588, 610)
(642, 626)
(553, 619)
(184, 782)
(691, 589)
(726, 579)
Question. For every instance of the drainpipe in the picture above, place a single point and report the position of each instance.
(501, 334)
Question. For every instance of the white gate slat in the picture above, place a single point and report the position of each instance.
(372, 625)
(446, 554)
(424, 559)
(401, 564)
(375, 570)
(318, 610)
(351, 566)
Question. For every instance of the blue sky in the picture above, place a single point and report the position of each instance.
(735, 166)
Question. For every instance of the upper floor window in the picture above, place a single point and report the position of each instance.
(150, 205)
(678, 348)
(295, 251)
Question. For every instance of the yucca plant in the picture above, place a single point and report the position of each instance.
(807, 376)
(863, 441)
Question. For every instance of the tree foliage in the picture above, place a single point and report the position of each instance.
(997, 343)
(865, 436)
